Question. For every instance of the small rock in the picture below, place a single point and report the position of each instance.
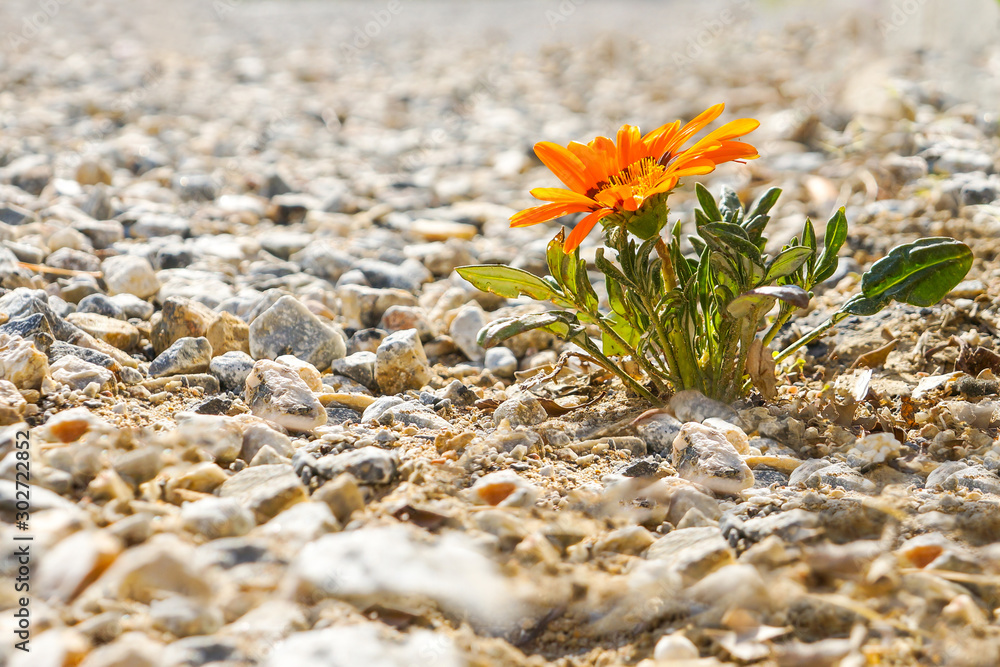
(355, 645)
(501, 362)
(659, 431)
(399, 318)
(691, 405)
(21, 363)
(92, 172)
(101, 304)
(734, 434)
(366, 340)
(342, 495)
(305, 370)
(265, 490)
(400, 363)
(974, 477)
(288, 327)
(276, 392)
(369, 465)
(132, 306)
(12, 404)
(113, 331)
(359, 366)
(521, 409)
(258, 436)
(185, 355)
(704, 455)
(78, 374)
(232, 369)
(130, 274)
(504, 488)
(632, 540)
(217, 517)
(693, 552)
(464, 330)
(675, 647)
(184, 617)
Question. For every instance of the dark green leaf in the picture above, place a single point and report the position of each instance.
(836, 234)
(859, 304)
(608, 268)
(506, 281)
(731, 207)
(809, 235)
(919, 273)
(628, 333)
(787, 262)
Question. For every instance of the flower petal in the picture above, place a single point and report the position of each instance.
(690, 129)
(544, 213)
(566, 166)
(630, 146)
(592, 161)
(562, 196)
(583, 228)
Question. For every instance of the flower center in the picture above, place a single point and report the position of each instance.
(641, 176)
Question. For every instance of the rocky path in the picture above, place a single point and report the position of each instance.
(261, 429)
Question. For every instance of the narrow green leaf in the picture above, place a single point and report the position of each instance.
(787, 262)
(864, 306)
(506, 281)
(765, 203)
(607, 267)
(707, 202)
(562, 324)
(628, 333)
(919, 273)
(809, 235)
(836, 234)
(731, 207)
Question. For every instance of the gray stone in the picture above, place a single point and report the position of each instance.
(186, 355)
(937, 478)
(154, 225)
(407, 276)
(342, 496)
(366, 340)
(26, 327)
(400, 363)
(705, 456)
(78, 374)
(464, 330)
(133, 306)
(501, 362)
(659, 431)
(359, 367)
(459, 394)
(101, 304)
(324, 259)
(389, 409)
(23, 302)
(795, 525)
(195, 187)
(258, 436)
(72, 260)
(521, 409)
(840, 475)
(288, 327)
(277, 392)
(232, 369)
(58, 349)
(265, 490)
(369, 465)
(974, 477)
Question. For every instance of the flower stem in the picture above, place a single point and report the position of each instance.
(587, 344)
(811, 336)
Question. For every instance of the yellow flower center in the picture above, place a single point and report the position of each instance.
(641, 176)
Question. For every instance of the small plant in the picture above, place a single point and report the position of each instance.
(699, 315)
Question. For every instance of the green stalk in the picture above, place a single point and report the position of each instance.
(588, 345)
(811, 336)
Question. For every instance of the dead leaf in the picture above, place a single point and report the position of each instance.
(760, 368)
(876, 358)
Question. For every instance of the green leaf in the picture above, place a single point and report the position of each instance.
(506, 281)
(562, 324)
(787, 262)
(809, 235)
(623, 328)
(861, 305)
(731, 207)
(571, 273)
(761, 299)
(836, 234)
(606, 267)
(919, 273)
(765, 203)
(707, 202)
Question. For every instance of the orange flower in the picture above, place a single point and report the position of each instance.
(606, 177)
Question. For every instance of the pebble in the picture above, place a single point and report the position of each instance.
(111, 330)
(185, 355)
(78, 374)
(675, 647)
(276, 392)
(232, 369)
(521, 409)
(215, 518)
(501, 362)
(342, 495)
(358, 366)
(400, 363)
(693, 552)
(704, 455)
(389, 409)
(366, 645)
(265, 490)
(464, 330)
(101, 304)
(130, 274)
(288, 327)
(21, 363)
(659, 431)
(368, 465)
(184, 617)
(504, 488)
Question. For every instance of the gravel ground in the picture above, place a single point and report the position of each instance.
(262, 433)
